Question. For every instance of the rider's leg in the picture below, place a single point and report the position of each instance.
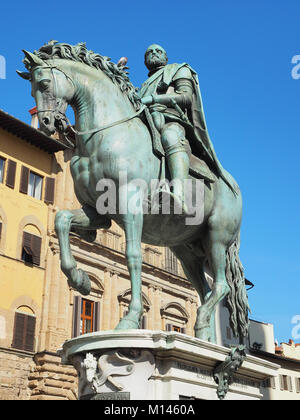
(173, 141)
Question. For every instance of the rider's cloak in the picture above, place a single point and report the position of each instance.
(197, 132)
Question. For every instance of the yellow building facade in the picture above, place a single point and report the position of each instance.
(38, 310)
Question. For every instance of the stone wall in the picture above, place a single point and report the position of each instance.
(50, 380)
(15, 368)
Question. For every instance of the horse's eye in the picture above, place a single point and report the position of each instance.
(44, 84)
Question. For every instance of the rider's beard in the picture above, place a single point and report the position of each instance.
(154, 63)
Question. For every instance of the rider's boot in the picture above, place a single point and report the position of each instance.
(178, 164)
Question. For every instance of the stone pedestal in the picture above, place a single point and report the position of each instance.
(157, 365)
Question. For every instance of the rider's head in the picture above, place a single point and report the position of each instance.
(155, 57)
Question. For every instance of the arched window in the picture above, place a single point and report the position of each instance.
(31, 245)
(24, 329)
(124, 301)
(175, 317)
(86, 311)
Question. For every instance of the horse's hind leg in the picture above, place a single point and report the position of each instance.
(193, 267)
(217, 260)
(85, 219)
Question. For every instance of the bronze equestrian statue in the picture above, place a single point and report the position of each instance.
(118, 130)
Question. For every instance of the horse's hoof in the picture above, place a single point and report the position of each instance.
(203, 333)
(127, 324)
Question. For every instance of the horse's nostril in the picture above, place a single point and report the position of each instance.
(46, 121)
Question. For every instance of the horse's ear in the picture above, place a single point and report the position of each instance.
(33, 59)
(24, 74)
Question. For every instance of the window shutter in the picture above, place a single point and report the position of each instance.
(171, 263)
(281, 382)
(49, 191)
(297, 385)
(96, 317)
(24, 180)
(11, 173)
(272, 383)
(76, 316)
(36, 244)
(290, 385)
(30, 333)
(24, 332)
(19, 328)
(27, 243)
(32, 245)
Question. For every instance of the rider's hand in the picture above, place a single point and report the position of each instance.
(147, 100)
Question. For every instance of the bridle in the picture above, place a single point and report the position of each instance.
(64, 121)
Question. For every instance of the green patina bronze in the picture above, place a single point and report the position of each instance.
(224, 372)
(112, 136)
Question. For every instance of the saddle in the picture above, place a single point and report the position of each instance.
(198, 167)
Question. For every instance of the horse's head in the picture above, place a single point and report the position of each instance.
(52, 90)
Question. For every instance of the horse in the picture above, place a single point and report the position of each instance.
(112, 138)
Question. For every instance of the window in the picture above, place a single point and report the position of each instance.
(297, 385)
(86, 316)
(31, 248)
(175, 328)
(24, 331)
(32, 184)
(269, 383)
(171, 263)
(285, 383)
(2, 165)
(87, 310)
(35, 185)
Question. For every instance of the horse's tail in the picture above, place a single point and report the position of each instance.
(237, 299)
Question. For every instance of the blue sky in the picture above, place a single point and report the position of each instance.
(242, 52)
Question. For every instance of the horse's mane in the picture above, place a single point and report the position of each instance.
(80, 53)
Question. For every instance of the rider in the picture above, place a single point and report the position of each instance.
(172, 93)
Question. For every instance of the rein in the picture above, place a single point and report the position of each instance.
(104, 127)
(65, 118)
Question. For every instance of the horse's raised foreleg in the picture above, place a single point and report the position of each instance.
(133, 225)
(85, 219)
(205, 314)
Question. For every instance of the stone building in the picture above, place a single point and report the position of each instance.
(261, 343)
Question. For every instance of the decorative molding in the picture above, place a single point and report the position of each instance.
(181, 311)
(125, 297)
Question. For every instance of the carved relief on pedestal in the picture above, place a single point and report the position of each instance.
(114, 371)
